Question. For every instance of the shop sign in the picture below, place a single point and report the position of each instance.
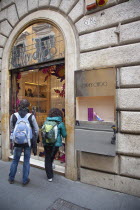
(99, 82)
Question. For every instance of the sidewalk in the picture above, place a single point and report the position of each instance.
(62, 194)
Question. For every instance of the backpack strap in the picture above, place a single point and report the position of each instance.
(17, 115)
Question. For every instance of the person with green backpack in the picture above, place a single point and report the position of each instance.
(52, 132)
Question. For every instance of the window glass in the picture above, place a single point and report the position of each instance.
(38, 43)
(95, 95)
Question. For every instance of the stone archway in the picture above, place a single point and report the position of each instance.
(71, 64)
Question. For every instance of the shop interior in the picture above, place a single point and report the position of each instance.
(44, 88)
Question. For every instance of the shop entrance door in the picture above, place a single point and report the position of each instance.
(44, 88)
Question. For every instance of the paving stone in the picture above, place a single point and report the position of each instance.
(77, 11)
(99, 39)
(114, 15)
(22, 8)
(66, 6)
(130, 76)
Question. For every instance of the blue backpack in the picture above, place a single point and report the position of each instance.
(22, 132)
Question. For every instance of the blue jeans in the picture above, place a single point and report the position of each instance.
(26, 164)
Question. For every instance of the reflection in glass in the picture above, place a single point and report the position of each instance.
(95, 95)
(38, 43)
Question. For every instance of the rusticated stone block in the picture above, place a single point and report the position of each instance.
(109, 17)
(128, 144)
(112, 182)
(54, 3)
(5, 28)
(12, 15)
(130, 32)
(0, 65)
(1, 51)
(128, 99)
(2, 40)
(66, 6)
(3, 14)
(122, 55)
(99, 162)
(22, 8)
(130, 166)
(43, 3)
(77, 11)
(32, 5)
(5, 3)
(130, 76)
(99, 39)
(130, 122)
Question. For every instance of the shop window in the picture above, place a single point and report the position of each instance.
(38, 43)
(95, 129)
(95, 95)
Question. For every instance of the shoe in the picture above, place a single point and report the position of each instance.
(26, 182)
(50, 180)
(11, 181)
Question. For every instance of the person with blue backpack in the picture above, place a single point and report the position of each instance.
(24, 135)
(52, 132)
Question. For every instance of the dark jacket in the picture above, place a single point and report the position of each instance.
(34, 126)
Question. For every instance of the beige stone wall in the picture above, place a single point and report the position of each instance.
(107, 37)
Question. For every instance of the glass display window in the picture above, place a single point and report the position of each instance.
(44, 88)
(40, 42)
(95, 95)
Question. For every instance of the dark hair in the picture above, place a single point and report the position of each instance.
(54, 112)
(24, 103)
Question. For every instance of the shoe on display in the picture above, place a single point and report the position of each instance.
(26, 182)
(50, 180)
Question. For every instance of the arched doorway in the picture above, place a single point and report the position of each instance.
(37, 70)
(71, 64)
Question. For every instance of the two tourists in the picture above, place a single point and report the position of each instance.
(24, 134)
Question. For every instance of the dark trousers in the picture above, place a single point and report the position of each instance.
(50, 152)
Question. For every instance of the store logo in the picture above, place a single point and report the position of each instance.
(95, 84)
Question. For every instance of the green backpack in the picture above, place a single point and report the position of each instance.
(49, 132)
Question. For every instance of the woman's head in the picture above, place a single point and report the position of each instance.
(54, 112)
(24, 103)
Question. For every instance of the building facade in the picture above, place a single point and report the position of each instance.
(101, 48)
